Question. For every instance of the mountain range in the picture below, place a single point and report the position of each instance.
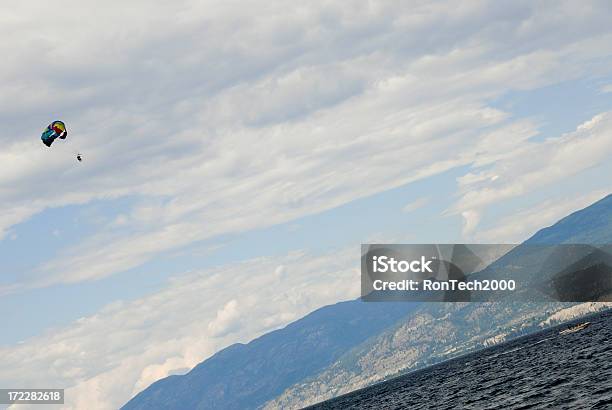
(350, 345)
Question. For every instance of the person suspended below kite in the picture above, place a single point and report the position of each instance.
(55, 130)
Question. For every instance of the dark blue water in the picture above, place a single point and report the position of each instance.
(543, 370)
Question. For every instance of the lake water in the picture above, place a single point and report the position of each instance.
(542, 370)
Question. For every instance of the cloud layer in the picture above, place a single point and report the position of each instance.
(104, 359)
(221, 118)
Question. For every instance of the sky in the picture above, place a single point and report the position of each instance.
(237, 154)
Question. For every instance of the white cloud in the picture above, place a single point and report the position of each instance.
(471, 218)
(606, 89)
(532, 166)
(523, 223)
(104, 359)
(227, 320)
(416, 204)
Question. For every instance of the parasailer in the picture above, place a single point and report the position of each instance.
(55, 130)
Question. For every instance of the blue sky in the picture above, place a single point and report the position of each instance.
(240, 154)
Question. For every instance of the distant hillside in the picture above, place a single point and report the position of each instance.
(435, 332)
(350, 345)
(246, 376)
(591, 225)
